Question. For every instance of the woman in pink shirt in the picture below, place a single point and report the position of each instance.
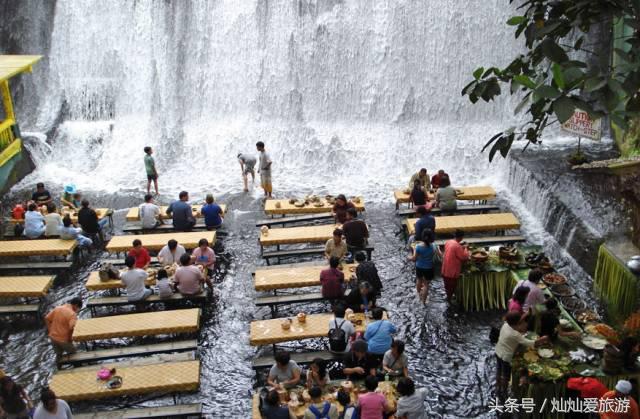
(516, 303)
(204, 256)
(455, 254)
(372, 405)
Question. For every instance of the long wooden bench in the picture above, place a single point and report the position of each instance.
(462, 209)
(488, 241)
(15, 309)
(302, 358)
(274, 301)
(308, 251)
(44, 266)
(193, 410)
(295, 219)
(163, 228)
(120, 261)
(119, 301)
(80, 358)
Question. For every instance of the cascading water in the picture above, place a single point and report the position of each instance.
(348, 95)
(331, 86)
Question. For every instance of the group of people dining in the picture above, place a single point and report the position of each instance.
(181, 213)
(368, 357)
(40, 217)
(192, 271)
(421, 185)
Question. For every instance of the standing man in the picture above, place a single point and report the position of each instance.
(60, 323)
(150, 167)
(265, 170)
(455, 254)
(182, 213)
(247, 165)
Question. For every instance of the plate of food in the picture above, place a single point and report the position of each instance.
(594, 342)
(562, 290)
(535, 368)
(551, 373)
(546, 353)
(531, 356)
(554, 279)
(587, 316)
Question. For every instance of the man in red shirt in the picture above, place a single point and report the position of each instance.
(455, 254)
(332, 279)
(435, 179)
(618, 404)
(60, 323)
(140, 254)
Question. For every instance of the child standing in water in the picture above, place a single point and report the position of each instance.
(150, 167)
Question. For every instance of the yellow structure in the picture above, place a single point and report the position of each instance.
(10, 141)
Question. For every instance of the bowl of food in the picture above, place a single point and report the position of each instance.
(302, 317)
(285, 324)
(292, 201)
(587, 316)
(479, 256)
(278, 204)
(554, 279)
(264, 230)
(573, 303)
(507, 252)
(562, 290)
(546, 353)
(355, 199)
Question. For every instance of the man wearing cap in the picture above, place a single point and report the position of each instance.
(247, 165)
(618, 404)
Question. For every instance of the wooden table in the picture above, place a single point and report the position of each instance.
(139, 324)
(36, 247)
(158, 241)
(100, 212)
(167, 377)
(95, 284)
(271, 208)
(25, 286)
(294, 277)
(293, 235)
(134, 212)
(466, 193)
(267, 332)
(470, 223)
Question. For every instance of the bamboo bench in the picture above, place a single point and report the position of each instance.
(44, 266)
(309, 251)
(193, 410)
(488, 241)
(28, 309)
(120, 301)
(302, 358)
(295, 219)
(162, 228)
(462, 209)
(274, 301)
(80, 358)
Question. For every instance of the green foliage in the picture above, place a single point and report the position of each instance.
(551, 81)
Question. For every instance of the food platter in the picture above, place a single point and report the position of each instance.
(554, 279)
(562, 290)
(587, 316)
(594, 342)
(546, 353)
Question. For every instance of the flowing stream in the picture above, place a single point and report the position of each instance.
(350, 96)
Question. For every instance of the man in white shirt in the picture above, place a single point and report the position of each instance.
(511, 337)
(134, 281)
(171, 253)
(149, 213)
(265, 170)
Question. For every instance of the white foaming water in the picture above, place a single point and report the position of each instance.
(347, 95)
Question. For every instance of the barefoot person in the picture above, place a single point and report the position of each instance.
(265, 170)
(150, 167)
(423, 254)
(60, 323)
(247, 165)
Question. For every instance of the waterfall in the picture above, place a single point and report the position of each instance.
(349, 87)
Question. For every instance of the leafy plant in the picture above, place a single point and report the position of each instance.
(552, 80)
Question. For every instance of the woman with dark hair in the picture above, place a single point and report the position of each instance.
(418, 197)
(516, 303)
(317, 376)
(340, 208)
(372, 404)
(272, 409)
(446, 196)
(52, 221)
(51, 407)
(423, 254)
(395, 361)
(14, 400)
(411, 402)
